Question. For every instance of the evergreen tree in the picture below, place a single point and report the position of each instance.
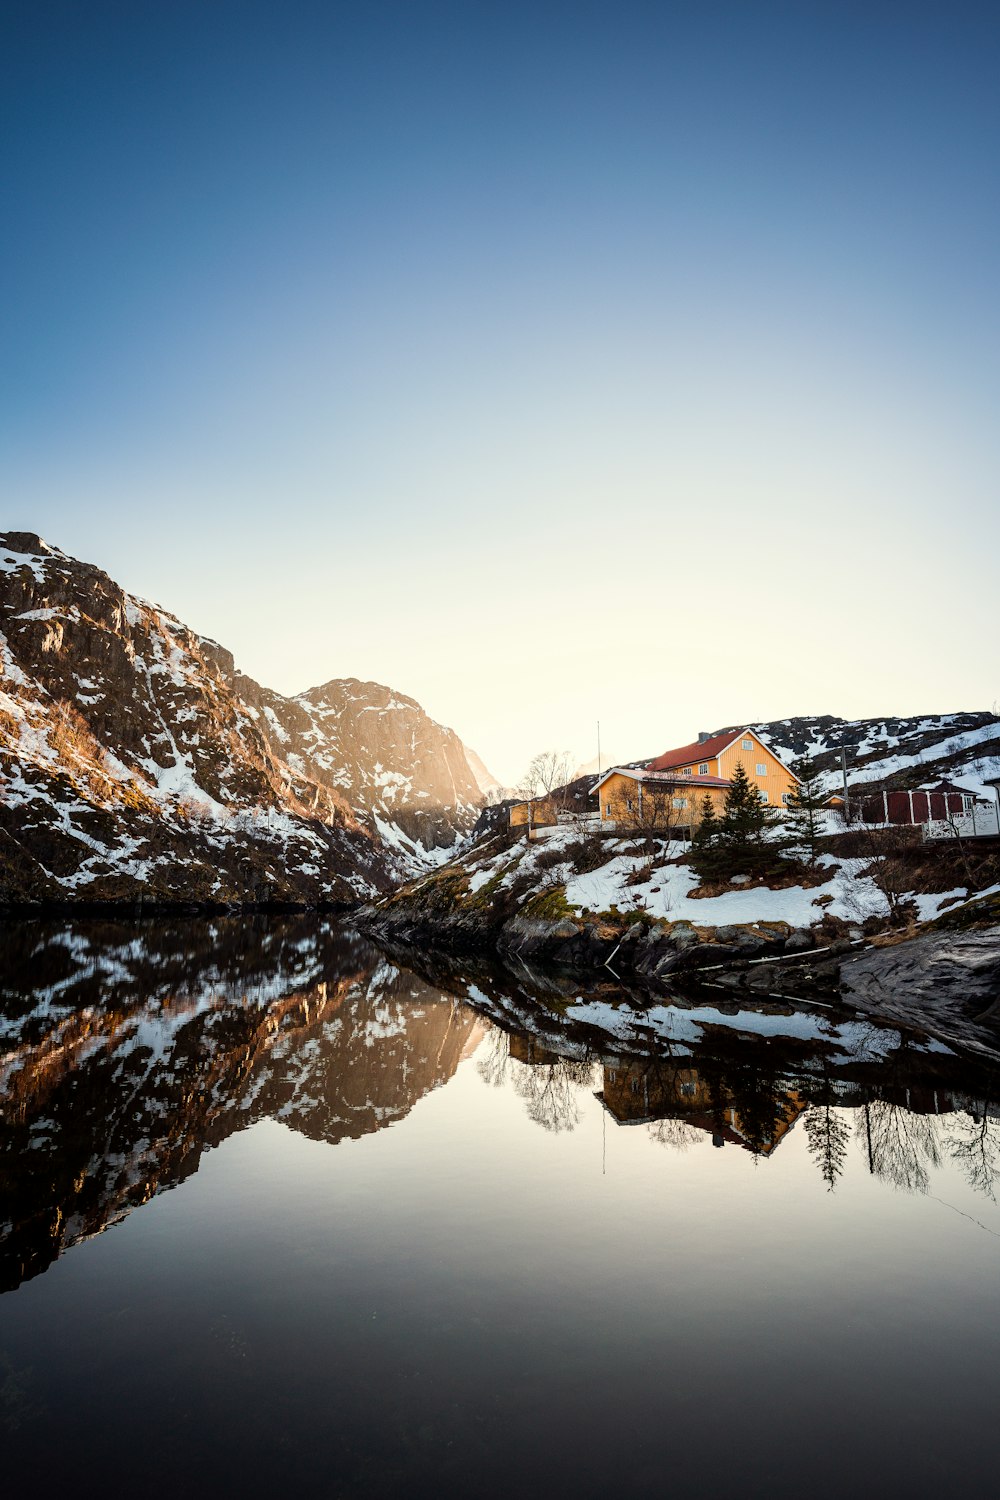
(744, 816)
(747, 834)
(743, 841)
(805, 821)
(705, 853)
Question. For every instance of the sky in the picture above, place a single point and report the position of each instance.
(554, 363)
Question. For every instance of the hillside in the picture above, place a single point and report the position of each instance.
(405, 777)
(590, 899)
(138, 763)
(906, 752)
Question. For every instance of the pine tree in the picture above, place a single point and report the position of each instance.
(705, 843)
(743, 841)
(805, 821)
(746, 831)
(744, 816)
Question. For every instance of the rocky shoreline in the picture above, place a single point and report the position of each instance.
(943, 980)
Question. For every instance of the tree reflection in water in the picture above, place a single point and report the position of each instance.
(974, 1144)
(828, 1134)
(901, 1147)
(552, 1087)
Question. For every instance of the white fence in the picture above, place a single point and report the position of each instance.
(982, 822)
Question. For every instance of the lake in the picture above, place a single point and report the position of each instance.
(279, 1213)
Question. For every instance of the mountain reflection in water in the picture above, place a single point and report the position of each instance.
(128, 1051)
(458, 1212)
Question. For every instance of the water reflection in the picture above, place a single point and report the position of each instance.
(128, 1051)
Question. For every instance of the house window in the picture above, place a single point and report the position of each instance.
(628, 804)
(703, 768)
(761, 794)
(761, 768)
(786, 798)
(607, 810)
(680, 801)
(748, 744)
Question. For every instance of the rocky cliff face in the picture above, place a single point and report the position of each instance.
(137, 763)
(405, 776)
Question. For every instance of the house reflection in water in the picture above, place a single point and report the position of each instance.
(641, 1093)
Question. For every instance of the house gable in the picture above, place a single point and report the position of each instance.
(766, 770)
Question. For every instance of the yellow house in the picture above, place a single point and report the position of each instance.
(671, 790)
(656, 799)
(538, 811)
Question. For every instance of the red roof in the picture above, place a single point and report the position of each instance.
(690, 755)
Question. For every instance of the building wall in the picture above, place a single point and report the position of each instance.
(913, 807)
(618, 791)
(774, 779)
(543, 814)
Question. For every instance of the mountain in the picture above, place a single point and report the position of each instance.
(906, 752)
(406, 777)
(137, 763)
(485, 780)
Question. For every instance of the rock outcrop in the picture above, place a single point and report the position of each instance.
(948, 981)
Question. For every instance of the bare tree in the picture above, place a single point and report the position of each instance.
(901, 1147)
(552, 1091)
(651, 809)
(547, 772)
(888, 869)
(676, 1132)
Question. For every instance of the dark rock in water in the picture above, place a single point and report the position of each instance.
(948, 983)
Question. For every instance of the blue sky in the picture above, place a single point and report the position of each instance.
(550, 362)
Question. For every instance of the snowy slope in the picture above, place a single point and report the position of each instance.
(405, 776)
(904, 752)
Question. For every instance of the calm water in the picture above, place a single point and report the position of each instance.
(278, 1216)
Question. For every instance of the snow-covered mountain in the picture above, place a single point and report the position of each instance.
(138, 763)
(485, 780)
(405, 776)
(903, 752)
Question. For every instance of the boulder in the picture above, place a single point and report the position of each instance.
(683, 935)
